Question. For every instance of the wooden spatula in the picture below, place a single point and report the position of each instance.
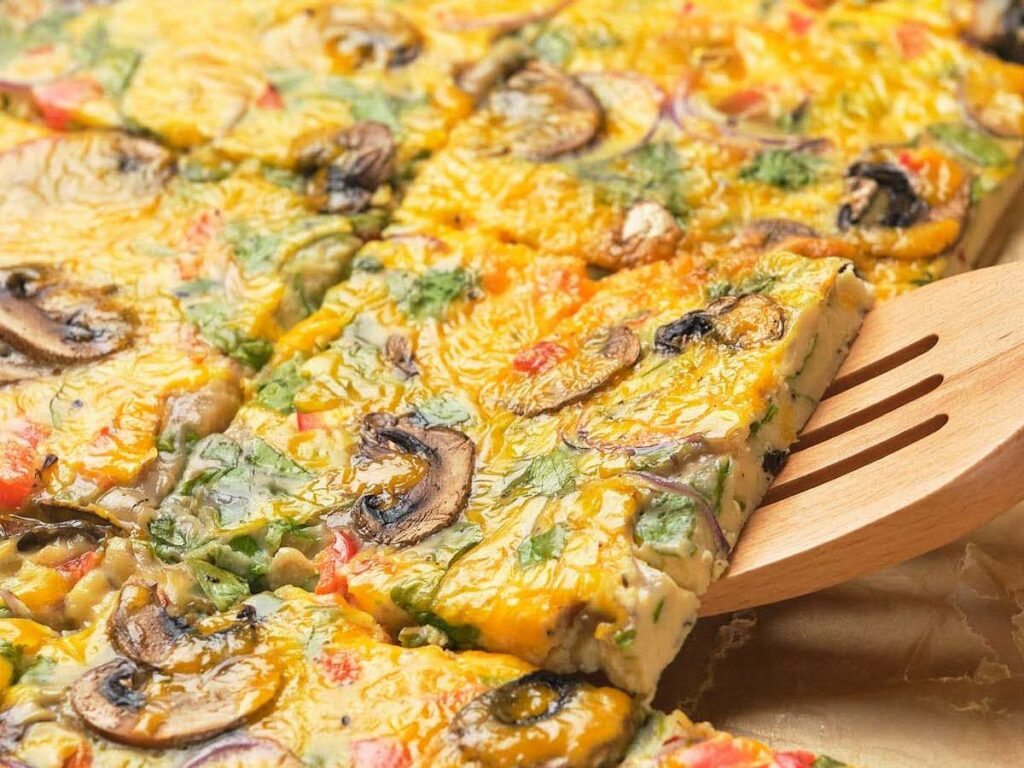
(919, 440)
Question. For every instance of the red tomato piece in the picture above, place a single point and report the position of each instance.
(743, 103)
(308, 421)
(798, 759)
(270, 98)
(18, 465)
(912, 39)
(911, 163)
(341, 550)
(538, 358)
(799, 23)
(341, 667)
(74, 569)
(387, 752)
(720, 753)
(57, 101)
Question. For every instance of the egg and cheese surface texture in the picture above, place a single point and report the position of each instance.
(368, 369)
(873, 131)
(486, 438)
(286, 679)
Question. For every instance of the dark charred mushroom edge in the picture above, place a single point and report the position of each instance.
(432, 503)
(345, 168)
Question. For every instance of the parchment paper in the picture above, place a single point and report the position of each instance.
(919, 665)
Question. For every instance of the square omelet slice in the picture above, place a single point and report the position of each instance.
(500, 452)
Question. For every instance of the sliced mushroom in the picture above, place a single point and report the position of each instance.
(507, 55)
(143, 630)
(543, 114)
(997, 26)
(439, 496)
(398, 352)
(125, 703)
(545, 719)
(240, 749)
(52, 324)
(766, 234)
(361, 36)
(879, 195)
(603, 355)
(347, 166)
(736, 321)
(34, 534)
(649, 233)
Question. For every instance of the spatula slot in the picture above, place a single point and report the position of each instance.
(845, 466)
(869, 413)
(850, 379)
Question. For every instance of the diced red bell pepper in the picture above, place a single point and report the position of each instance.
(308, 421)
(912, 39)
(341, 667)
(340, 551)
(57, 101)
(387, 752)
(539, 357)
(270, 98)
(74, 569)
(718, 753)
(743, 103)
(799, 23)
(18, 465)
(796, 759)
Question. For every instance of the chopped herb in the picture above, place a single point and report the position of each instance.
(652, 172)
(554, 47)
(666, 525)
(766, 419)
(39, 671)
(416, 597)
(657, 610)
(46, 29)
(550, 474)
(543, 546)
(277, 391)
(824, 761)
(262, 455)
(167, 540)
(372, 104)
(454, 542)
(625, 637)
(254, 250)
(430, 294)
(970, 143)
(445, 410)
(213, 320)
(14, 655)
(718, 290)
(222, 587)
(283, 178)
(781, 168)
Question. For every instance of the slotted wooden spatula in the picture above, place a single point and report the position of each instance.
(919, 440)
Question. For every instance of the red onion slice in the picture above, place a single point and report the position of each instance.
(242, 749)
(682, 489)
(691, 115)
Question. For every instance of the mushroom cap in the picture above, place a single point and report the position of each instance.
(544, 719)
(736, 321)
(361, 36)
(347, 166)
(541, 114)
(432, 503)
(122, 702)
(51, 323)
(143, 630)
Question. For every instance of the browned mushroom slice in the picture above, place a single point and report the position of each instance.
(649, 233)
(546, 719)
(879, 195)
(997, 26)
(542, 114)
(736, 321)
(766, 234)
(439, 496)
(347, 166)
(57, 324)
(360, 36)
(398, 352)
(143, 630)
(124, 703)
(34, 534)
(506, 56)
(602, 356)
(83, 168)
